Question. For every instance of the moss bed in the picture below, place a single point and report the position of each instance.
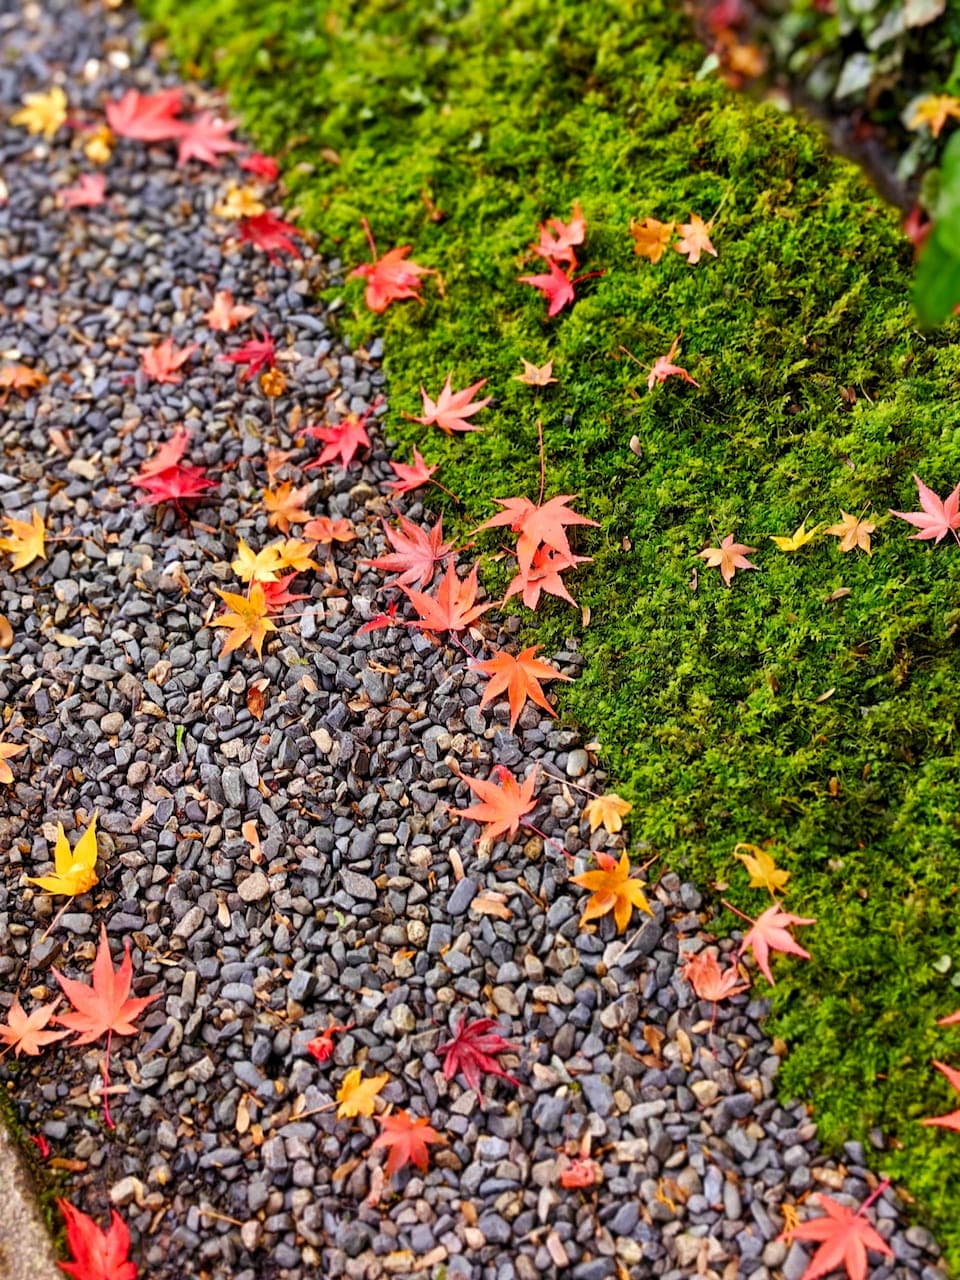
(817, 393)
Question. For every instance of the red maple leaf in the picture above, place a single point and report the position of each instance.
(321, 1046)
(580, 1171)
(664, 368)
(90, 190)
(558, 239)
(256, 355)
(168, 455)
(451, 409)
(951, 1121)
(263, 167)
(162, 362)
(452, 608)
(519, 678)
(341, 441)
(543, 574)
(96, 1254)
(146, 117)
(40, 1142)
(411, 477)
(472, 1051)
(407, 1138)
(175, 484)
(204, 138)
(557, 286)
(268, 232)
(769, 933)
(277, 596)
(844, 1238)
(379, 621)
(938, 517)
(537, 526)
(501, 806)
(415, 552)
(390, 278)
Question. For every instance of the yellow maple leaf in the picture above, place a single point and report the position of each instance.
(257, 566)
(295, 554)
(98, 148)
(7, 751)
(42, 112)
(25, 541)
(247, 619)
(799, 538)
(764, 872)
(651, 237)
(853, 532)
(791, 1220)
(934, 111)
(535, 375)
(75, 869)
(612, 889)
(239, 202)
(356, 1096)
(609, 810)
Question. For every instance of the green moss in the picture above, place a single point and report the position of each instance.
(760, 712)
(47, 1184)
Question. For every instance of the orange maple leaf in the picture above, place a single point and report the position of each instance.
(728, 557)
(324, 529)
(107, 1005)
(535, 375)
(650, 238)
(407, 1137)
(544, 575)
(415, 553)
(501, 806)
(934, 111)
(612, 888)
(844, 1238)
(20, 378)
(853, 531)
(695, 239)
(519, 677)
(950, 1020)
(225, 313)
(284, 505)
(25, 1033)
(704, 974)
(769, 933)
(390, 278)
(8, 750)
(452, 608)
(951, 1121)
(451, 409)
(247, 619)
(162, 362)
(537, 524)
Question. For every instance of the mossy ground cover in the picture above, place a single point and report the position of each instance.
(817, 392)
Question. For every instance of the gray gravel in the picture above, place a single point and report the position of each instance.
(224, 1161)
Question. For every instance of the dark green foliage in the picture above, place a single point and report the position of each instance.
(817, 394)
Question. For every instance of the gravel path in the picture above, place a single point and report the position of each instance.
(364, 902)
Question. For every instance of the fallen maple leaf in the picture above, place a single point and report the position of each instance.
(650, 238)
(537, 525)
(256, 355)
(608, 811)
(98, 147)
(176, 484)
(580, 1172)
(20, 378)
(938, 516)
(951, 1020)
(951, 1121)
(42, 112)
(225, 313)
(844, 1238)
(452, 608)
(451, 409)
(356, 1096)
(519, 677)
(341, 441)
(297, 554)
(411, 477)
(271, 234)
(8, 750)
(206, 137)
(390, 278)
(90, 191)
(75, 870)
(557, 286)
(263, 167)
(416, 552)
(284, 505)
(853, 532)
(380, 621)
(559, 239)
(168, 455)
(543, 574)
(933, 111)
(247, 619)
(612, 889)
(25, 540)
(769, 933)
(407, 1137)
(799, 538)
(325, 530)
(664, 368)
(96, 1254)
(764, 872)
(106, 1005)
(257, 566)
(694, 239)
(321, 1047)
(502, 803)
(161, 363)
(472, 1051)
(728, 557)
(709, 982)
(239, 202)
(534, 375)
(25, 1032)
(146, 117)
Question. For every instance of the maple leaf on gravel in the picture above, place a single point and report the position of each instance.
(844, 1237)
(650, 238)
(8, 750)
(411, 477)
(20, 378)
(239, 202)
(853, 532)
(263, 167)
(74, 869)
(161, 363)
(694, 239)
(321, 1047)
(106, 1005)
(356, 1095)
(612, 888)
(146, 117)
(416, 552)
(951, 1121)
(168, 455)
(25, 540)
(608, 811)
(708, 980)
(257, 566)
(544, 575)
(42, 112)
(502, 803)
(297, 554)
(390, 278)
(519, 677)
(25, 1032)
(557, 286)
(938, 516)
(472, 1051)
(225, 313)
(247, 619)
(407, 1137)
(326, 530)
(452, 608)
(271, 234)
(341, 441)
(256, 355)
(537, 525)
(580, 1172)
(284, 505)
(96, 1254)
(769, 933)
(176, 484)
(204, 138)
(277, 596)
(728, 557)
(451, 409)
(90, 191)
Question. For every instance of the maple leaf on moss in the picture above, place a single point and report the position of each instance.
(769, 932)
(26, 1032)
(558, 239)
(146, 117)
(728, 557)
(357, 1095)
(937, 516)
(853, 532)
(408, 1139)
(951, 1020)
(650, 238)
(341, 441)
(612, 888)
(794, 541)
(538, 524)
(764, 872)
(271, 234)
(664, 368)
(42, 112)
(451, 409)
(535, 375)
(502, 803)
(951, 1121)
(519, 678)
(607, 810)
(543, 574)
(933, 112)
(410, 477)
(472, 1051)
(416, 552)
(390, 278)
(557, 286)
(25, 540)
(451, 607)
(96, 1254)
(74, 869)
(247, 619)
(694, 239)
(844, 1237)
